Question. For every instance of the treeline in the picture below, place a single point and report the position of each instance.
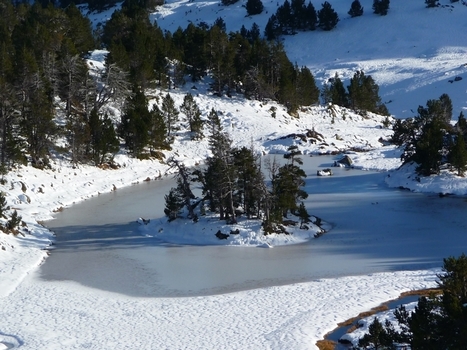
(233, 184)
(239, 62)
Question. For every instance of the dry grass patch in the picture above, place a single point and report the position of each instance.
(326, 344)
(422, 292)
(364, 314)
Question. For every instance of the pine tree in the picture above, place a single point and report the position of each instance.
(158, 137)
(284, 18)
(183, 191)
(249, 177)
(363, 95)
(446, 108)
(193, 114)
(104, 142)
(461, 125)
(135, 123)
(306, 89)
(334, 92)
(80, 30)
(220, 175)
(254, 7)
(458, 155)
(377, 337)
(3, 205)
(170, 114)
(356, 9)
(287, 184)
(298, 13)
(303, 214)
(222, 65)
(14, 221)
(381, 7)
(327, 17)
(311, 17)
(173, 204)
(428, 148)
(272, 29)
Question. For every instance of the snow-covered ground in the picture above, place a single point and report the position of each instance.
(412, 53)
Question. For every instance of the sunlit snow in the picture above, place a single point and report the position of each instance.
(412, 53)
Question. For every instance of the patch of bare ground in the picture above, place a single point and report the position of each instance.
(326, 344)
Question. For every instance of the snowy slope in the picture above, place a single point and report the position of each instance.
(412, 53)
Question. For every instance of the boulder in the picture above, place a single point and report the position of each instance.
(324, 172)
(346, 161)
(221, 235)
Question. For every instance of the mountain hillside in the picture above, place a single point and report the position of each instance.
(412, 53)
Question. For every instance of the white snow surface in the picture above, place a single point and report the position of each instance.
(412, 53)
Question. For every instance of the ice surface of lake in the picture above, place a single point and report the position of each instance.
(375, 229)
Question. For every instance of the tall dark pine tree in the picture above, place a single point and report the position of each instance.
(327, 17)
(306, 89)
(364, 94)
(183, 189)
(446, 108)
(158, 137)
(173, 203)
(170, 114)
(334, 92)
(285, 18)
(381, 7)
(193, 115)
(272, 29)
(220, 177)
(254, 7)
(135, 123)
(458, 155)
(428, 148)
(311, 17)
(249, 177)
(298, 12)
(104, 142)
(356, 9)
(461, 125)
(287, 185)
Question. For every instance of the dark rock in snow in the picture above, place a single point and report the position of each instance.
(221, 235)
(346, 161)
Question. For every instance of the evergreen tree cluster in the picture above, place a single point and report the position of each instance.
(233, 183)
(361, 95)
(237, 62)
(42, 73)
(429, 139)
(438, 322)
(295, 16)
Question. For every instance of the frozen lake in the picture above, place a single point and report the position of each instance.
(375, 229)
